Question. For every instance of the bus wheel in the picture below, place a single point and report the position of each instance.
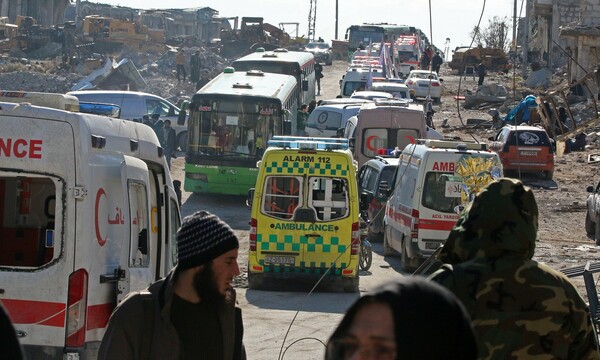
(255, 281)
(182, 141)
(350, 284)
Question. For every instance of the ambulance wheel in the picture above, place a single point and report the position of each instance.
(182, 138)
(387, 249)
(255, 281)
(590, 227)
(404, 259)
(350, 284)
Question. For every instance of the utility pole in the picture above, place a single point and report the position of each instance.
(525, 47)
(336, 18)
(312, 19)
(446, 49)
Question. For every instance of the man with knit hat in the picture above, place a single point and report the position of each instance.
(191, 313)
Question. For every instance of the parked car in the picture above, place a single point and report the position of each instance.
(524, 148)
(592, 218)
(398, 90)
(321, 51)
(425, 83)
(375, 179)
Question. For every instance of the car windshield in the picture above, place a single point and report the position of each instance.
(423, 76)
(323, 46)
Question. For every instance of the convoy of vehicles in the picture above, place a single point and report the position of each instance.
(305, 212)
(231, 120)
(299, 64)
(84, 220)
(428, 186)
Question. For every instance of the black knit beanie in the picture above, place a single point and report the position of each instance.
(201, 238)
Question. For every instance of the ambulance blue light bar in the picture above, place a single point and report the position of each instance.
(308, 143)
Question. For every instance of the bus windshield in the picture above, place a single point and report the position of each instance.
(232, 128)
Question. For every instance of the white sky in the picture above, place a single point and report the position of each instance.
(452, 19)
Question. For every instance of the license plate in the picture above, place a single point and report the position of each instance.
(432, 245)
(280, 260)
(424, 85)
(528, 153)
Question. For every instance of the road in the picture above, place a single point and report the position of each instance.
(287, 308)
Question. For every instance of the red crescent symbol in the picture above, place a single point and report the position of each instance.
(99, 238)
(410, 138)
(369, 142)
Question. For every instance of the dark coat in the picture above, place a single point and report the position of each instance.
(127, 326)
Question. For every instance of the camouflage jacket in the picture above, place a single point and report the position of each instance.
(520, 309)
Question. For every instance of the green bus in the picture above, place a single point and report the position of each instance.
(231, 119)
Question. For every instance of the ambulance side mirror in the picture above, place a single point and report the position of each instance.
(365, 199)
(250, 197)
(384, 189)
(339, 133)
(143, 241)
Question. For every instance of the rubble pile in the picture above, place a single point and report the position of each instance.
(37, 81)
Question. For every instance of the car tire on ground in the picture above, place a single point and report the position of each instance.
(182, 141)
(590, 227)
(350, 284)
(597, 231)
(548, 174)
(387, 249)
(437, 100)
(405, 264)
(255, 281)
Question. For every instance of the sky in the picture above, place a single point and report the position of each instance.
(453, 19)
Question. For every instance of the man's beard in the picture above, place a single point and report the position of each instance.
(206, 286)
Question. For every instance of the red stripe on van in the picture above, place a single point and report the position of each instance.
(53, 314)
(35, 312)
(98, 315)
(428, 224)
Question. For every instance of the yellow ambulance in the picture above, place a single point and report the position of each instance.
(305, 212)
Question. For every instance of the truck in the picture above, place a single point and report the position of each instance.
(88, 213)
(466, 59)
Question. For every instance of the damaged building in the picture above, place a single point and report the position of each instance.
(562, 30)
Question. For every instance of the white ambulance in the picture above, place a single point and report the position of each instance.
(432, 179)
(88, 213)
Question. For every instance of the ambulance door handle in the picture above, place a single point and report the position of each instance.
(114, 277)
(312, 235)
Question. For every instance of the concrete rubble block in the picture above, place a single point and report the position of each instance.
(539, 79)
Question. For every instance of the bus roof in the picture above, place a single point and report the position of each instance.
(278, 56)
(253, 82)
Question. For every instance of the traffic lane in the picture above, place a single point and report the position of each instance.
(267, 315)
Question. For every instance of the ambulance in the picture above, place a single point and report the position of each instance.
(432, 179)
(304, 218)
(88, 213)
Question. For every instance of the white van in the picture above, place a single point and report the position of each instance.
(88, 213)
(428, 186)
(399, 91)
(325, 120)
(356, 78)
(135, 104)
(51, 100)
(383, 126)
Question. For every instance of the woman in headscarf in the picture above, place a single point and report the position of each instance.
(410, 318)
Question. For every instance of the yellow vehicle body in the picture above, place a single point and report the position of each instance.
(305, 212)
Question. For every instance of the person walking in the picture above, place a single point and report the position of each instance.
(180, 65)
(424, 61)
(399, 319)
(195, 65)
(481, 73)
(157, 125)
(318, 76)
(436, 62)
(520, 309)
(169, 141)
(191, 313)
(301, 120)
